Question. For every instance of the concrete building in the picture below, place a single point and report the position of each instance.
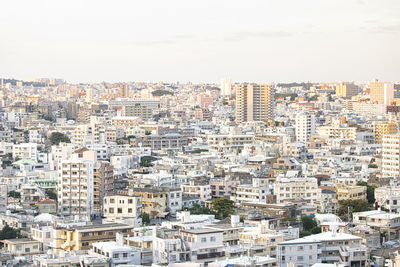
(83, 237)
(391, 155)
(25, 151)
(381, 92)
(103, 184)
(22, 246)
(346, 90)
(120, 208)
(288, 190)
(382, 128)
(353, 192)
(199, 190)
(327, 247)
(76, 188)
(388, 197)
(3, 198)
(305, 127)
(254, 102)
(226, 87)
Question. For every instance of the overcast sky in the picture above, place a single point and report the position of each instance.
(171, 40)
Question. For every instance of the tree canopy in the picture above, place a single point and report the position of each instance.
(352, 205)
(14, 194)
(57, 137)
(145, 218)
(223, 207)
(9, 233)
(370, 192)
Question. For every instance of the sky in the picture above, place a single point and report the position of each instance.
(200, 41)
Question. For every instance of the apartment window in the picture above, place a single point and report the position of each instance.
(116, 256)
(111, 210)
(125, 255)
(129, 210)
(203, 240)
(130, 201)
(212, 239)
(300, 258)
(119, 210)
(112, 200)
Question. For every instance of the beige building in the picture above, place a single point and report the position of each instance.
(353, 192)
(381, 92)
(254, 102)
(22, 246)
(382, 128)
(346, 90)
(82, 237)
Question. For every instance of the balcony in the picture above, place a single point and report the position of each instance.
(210, 255)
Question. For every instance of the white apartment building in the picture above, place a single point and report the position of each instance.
(75, 187)
(226, 87)
(36, 136)
(391, 155)
(199, 190)
(204, 245)
(251, 193)
(229, 141)
(333, 132)
(25, 151)
(3, 198)
(388, 197)
(296, 189)
(117, 252)
(327, 247)
(118, 208)
(305, 127)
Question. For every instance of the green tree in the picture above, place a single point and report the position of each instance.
(145, 162)
(9, 233)
(352, 205)
(145, 218)
(57, 137)
(308, 223)
(305, 233)
(223, 207)
(51, 194)
(316, 230)
(197, 209)
(147, 133)
(370, 191)
(14, 194)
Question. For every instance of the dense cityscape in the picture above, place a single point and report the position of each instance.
(184, 174)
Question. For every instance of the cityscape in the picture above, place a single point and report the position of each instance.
(214, 134)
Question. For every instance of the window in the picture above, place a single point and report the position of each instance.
(203, 240)
(300, 258)
(129, 210)
(125, 255)
(212, 239)
(116, 256)
(119, 210)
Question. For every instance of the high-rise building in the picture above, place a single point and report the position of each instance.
(226, 87)
(382, 128)
(391, 155)
(381, 92)
(103, 183)
(75, 188)
(305, 127)
(89, 95)
(123, 91)
(254, 102)
(346, 90)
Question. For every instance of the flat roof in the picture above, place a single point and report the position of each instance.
(201, 231)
